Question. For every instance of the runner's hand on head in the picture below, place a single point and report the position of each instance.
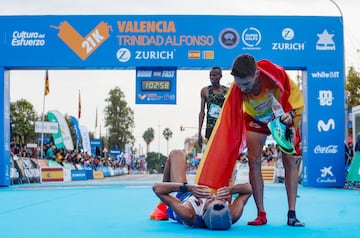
(223, 193)
(200, 191)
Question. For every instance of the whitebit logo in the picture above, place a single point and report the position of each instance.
(326, 171)
(325, 41)
(321, 126)
(325, 97)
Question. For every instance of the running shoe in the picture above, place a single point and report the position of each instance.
(282, 135)
(159, 213)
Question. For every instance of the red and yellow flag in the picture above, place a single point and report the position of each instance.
(225, 144)
(52, 175)
(47, 87)
(79, 106)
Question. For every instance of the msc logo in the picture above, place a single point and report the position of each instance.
(325, 41)
(325, 97)
(83, 46)
(322, 126)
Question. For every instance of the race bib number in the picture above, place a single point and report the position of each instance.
(214, 110)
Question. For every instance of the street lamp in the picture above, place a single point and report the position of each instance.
(345, 96)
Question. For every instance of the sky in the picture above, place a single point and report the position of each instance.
(94, 85)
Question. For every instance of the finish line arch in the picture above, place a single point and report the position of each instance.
(313, 44)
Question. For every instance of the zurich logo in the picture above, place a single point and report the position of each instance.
(123, 55)
(287, 34)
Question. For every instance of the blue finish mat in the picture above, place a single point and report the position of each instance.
(121, 209)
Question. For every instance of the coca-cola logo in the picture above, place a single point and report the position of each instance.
(330, 149)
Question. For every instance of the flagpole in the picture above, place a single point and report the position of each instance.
(79, 115)
(42, 115)
(96, 122)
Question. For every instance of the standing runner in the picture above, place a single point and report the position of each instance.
(213, 96)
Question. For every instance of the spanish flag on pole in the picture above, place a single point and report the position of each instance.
(47, 87)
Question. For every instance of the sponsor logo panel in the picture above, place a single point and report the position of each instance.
(325, 41)
(323, 126)
(251, 37)
(83, 46)
(326, 175)
(28, 39)
(288, 34)
(325, 98)
(329, 149)
(229, 38)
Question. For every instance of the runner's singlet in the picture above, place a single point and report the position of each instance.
(214, 105)
(260, 106)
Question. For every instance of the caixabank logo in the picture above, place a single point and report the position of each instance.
(83, 46)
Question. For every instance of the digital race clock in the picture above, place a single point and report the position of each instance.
(155, 85)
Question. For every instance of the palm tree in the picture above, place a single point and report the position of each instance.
(148, 137)
(167, 133)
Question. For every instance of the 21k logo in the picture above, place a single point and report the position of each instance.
(83, 46)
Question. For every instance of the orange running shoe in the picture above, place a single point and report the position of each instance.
(159, 213)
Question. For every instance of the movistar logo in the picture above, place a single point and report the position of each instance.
(322, 126)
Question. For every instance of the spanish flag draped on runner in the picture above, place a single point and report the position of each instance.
(228, 138)
(225, 144)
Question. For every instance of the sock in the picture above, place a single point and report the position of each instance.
(291, 214)
(262, 214)
(292, 220)
(260, 220)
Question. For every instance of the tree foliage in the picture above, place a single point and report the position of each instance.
(23, 118)
(148, 137)
(154, 161)
(119, 119)
(167, 133)
(353, 88)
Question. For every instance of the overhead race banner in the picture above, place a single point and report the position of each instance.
(127, 41)
(313, 44)
(155, 85)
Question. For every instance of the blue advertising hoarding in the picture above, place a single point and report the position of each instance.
(95, 144)
(313, 44)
